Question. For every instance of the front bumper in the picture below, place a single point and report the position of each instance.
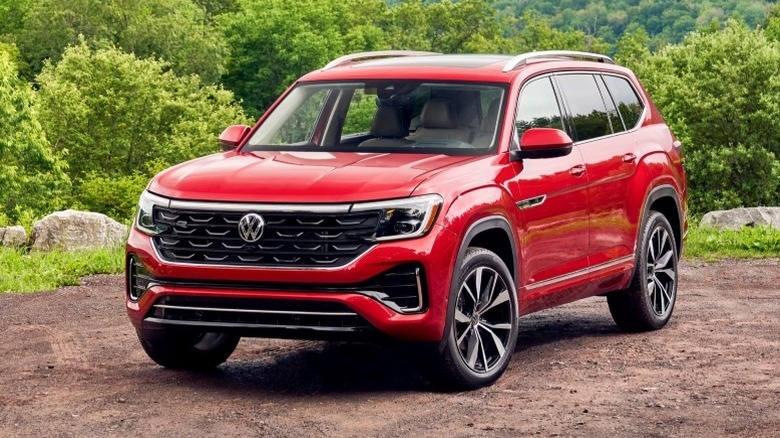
(297, 302)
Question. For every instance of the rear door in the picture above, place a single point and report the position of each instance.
(609, 152)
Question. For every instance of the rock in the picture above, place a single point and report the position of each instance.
(13, 236)
(743, 217)
(71, 229)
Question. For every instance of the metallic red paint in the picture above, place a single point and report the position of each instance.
(574, 219)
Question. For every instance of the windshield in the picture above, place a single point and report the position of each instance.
(384, 116)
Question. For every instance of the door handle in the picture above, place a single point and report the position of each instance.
(577, 170)
(629, 158)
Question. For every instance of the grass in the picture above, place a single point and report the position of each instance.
(749, 242)
(23, 272)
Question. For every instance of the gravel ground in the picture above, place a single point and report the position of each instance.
(70, 366)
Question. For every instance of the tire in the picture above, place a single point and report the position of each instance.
(187, 350)
(481, 331)
(648, 302)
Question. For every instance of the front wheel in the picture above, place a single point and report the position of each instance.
(482, 328)
(187, 350)
(649, 301)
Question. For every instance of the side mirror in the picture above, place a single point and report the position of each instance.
(232, 136)
(543, 143)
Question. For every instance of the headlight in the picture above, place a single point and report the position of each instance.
(144, 221)
(404, 218)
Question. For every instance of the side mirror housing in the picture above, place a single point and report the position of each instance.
(232, 136)
(543, 143)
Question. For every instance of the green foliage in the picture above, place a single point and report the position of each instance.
(666, 21)
(273, 42)
(726, 177)
(534, 32)
(747, 242)
(175, 30)
(467, 26)
(125, 117)
(721, 95)
(32, 178)
(115, 196)
(22, 272)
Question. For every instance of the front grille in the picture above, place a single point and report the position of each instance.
(288, 239)
(257, 313)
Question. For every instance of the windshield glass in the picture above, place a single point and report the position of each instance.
(384, 116)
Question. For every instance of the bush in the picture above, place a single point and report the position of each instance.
(118, 119)
(724, 178)
(32, 180)
(115, 196)
(720, 93)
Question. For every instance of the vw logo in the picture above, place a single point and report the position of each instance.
(250, 227)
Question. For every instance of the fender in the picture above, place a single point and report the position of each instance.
(662, 191)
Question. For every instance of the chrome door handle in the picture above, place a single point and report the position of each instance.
(629, 158)
(577, 170)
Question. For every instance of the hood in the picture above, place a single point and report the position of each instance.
(299, 177)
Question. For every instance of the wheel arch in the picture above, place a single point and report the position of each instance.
(493, 233)
(665, 200)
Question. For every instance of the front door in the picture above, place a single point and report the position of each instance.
(551, 194)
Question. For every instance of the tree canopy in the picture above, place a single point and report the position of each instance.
(112, 114)
(176, 30)
(32, 178)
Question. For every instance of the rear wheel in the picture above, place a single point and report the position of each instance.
(482, 329)
(649, 301)
(187, 350)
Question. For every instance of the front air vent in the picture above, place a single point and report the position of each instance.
(301, 239)
(257, 314)
(138, 280)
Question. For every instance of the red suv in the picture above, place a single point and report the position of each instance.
(418, 197)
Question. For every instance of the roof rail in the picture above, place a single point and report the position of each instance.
(364, 56)
(523, 59)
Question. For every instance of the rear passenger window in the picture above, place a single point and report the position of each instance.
(538, 107)
(625, 98)
(588, 113)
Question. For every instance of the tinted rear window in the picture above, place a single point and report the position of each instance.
(625, 98)
(586, 107)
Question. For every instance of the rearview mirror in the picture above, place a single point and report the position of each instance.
(232, 136)
(543, 143)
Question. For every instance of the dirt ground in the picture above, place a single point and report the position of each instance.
(70, 366)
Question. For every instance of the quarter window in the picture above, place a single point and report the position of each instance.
(625, 98)
(588, 113)
(538, 107)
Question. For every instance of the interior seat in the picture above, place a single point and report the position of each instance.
(438, 122)
(487, 130)
(388, 128)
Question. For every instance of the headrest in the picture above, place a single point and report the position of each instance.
(389, 123)
(438, 114)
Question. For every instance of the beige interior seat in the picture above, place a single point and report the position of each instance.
(438, 122)
(388, 128)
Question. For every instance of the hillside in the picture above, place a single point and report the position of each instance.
(666, 21)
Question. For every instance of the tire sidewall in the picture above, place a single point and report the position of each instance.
(653, 222)
(473, 258)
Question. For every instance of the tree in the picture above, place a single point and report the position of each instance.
(118, 116)
(175, 30)
(720, 93)
(468, 26)
(274, 42)
(534, 32)
(32, 180)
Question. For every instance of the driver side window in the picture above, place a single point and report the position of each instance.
(537, 107)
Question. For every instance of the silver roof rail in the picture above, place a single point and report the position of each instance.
(559, 54)
(365, 56)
